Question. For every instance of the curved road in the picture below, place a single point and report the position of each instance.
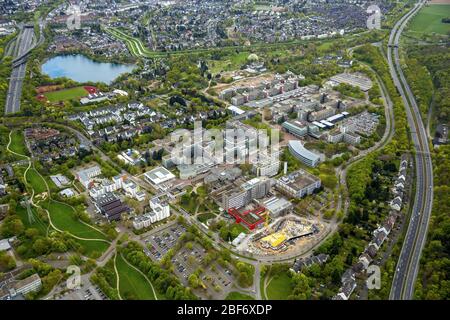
(408, 263)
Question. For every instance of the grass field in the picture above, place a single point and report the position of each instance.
(428, 20)
(132, 284)
(279, 287)
(238, 296)
(93, 249)
(63, 217)
(229, 63)
(18, 142)
(36, 181)
(66, 94)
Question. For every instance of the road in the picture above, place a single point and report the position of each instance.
(408, 263)
(25, 42)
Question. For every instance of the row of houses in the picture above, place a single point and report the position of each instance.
(379, 237)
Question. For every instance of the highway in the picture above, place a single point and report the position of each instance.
(408, 263)
(25, 42)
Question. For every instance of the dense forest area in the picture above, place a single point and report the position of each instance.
(428, 73)
(433, 280)
(429, 66)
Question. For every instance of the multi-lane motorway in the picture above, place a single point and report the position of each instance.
(408, 263)
(25, 43)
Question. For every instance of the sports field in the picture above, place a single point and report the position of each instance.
(132, 284)
(429, 20)
(66, 94)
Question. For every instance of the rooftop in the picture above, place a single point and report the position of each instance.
(299, 179)
(298, 147)
(159, 175)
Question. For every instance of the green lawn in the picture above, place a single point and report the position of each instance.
(66, 94)
(93, 249)
(228, 63)
(63, 218)
(279, 287)
(428, 20)
(18, 142)
(36, 181)
(132, 285)
(238, 296)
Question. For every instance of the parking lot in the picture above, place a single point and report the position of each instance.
(90, 293)
(159, 243)
(217, 281)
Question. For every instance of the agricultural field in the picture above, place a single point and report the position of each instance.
(429, 20)
(132, 284)
(66, 94)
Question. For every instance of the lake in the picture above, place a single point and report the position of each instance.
(82, 69)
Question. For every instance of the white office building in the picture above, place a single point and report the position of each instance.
(86, 176)
(159, 210)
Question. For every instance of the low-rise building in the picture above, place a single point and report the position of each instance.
(111, 207)
(296, 128)
(32, 283)
(158, 176)
(86, 176)
(298, 184)
(277, 206)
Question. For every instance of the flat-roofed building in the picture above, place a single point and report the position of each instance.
(158, 176)
(111, 207)
(159, 210)
(267, 168)
(304, 155)
(234, 199)
(277, 206)
(30, 284)
(296, 128)
(352, 138)
(298, 184)
(86, 176)
(256, 188)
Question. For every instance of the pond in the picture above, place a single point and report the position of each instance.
(83, 69)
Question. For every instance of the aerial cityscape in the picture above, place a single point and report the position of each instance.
(224, 150)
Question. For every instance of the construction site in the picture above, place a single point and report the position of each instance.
(286, 235)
